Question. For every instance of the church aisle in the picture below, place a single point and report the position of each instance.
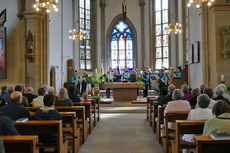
(122, 133)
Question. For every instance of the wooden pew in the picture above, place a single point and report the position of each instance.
(204, 144)
(80, 113)
(186, 127)
(97, 104)
(70, 129)
(159, 122)
(171, 117)
(44, 128)
(148, 112)
(154, 115)
(88, 115)
(95, 110)
(23, 144)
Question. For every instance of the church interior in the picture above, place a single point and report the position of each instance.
(114, 76)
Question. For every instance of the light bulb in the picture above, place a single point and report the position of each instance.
(54, 6)
(197, 6)
(189, 5)
(34, 6)
(43, 4)
(47, 11)
(56, 9)
(191, 1)
(212, 1)
(74, 30)
(209, 3)
(37, 9)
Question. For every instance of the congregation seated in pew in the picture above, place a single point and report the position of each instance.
(7, 127)
(63, 99)
(195, 94)
(38, 102)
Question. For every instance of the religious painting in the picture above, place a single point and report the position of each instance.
(197, 52)
(191, 55)
(2, 45)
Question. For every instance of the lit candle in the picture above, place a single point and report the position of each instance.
(222, 78)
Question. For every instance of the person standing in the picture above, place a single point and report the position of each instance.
(109, 78)
(146, 81)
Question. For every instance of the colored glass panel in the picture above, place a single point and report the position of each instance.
(122, 64)
(122, 54)
(129, 64)
(165, 52)
(88, 64)
(158, 30)
(158, 17)
(88, 44)
(157, 5)
(82, 44)
(88, 54)
(87, 34)
(164, 26)
(82, 12)
(165, 16)
(81, 3)
(87, 24)
(82, 23)
(158, 41)
(114, 64)
(121, 26)
(82, 54)
(121, 44)
(82, 64)
(129, 54)
(165, 4)
(114, 45)
(87, 14)
(166, 63)
(158, 64)
(165, 40)
(88, 4)
(158, 53)
(114, 55)
(129, 44)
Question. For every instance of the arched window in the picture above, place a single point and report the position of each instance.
(161, 39)
(122, 47)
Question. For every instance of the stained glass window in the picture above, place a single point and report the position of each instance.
(161, 38)
(122, 47)
(85, 25)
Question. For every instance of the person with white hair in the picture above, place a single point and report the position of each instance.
(219, 91)
(15, 110)
(30, 95)
(177, 104)
(225, 94)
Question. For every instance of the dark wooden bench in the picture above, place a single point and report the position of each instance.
(95, 110)
(204, 144)
(23, 144)
(186, 127)
(154, 115)
(70, 130)
(80, 114)
(88, 115)
(160, 115)
(171, 117)
(45, 128)
(149, 107)
(97, 104)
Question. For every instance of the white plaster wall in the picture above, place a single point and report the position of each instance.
(195, 70)
(60, 46)
(14, 54)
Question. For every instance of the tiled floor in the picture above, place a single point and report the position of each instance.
(122, 133)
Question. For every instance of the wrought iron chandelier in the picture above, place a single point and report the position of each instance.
(73, 34)
(198, 3)
(46, 4)
(177, 28)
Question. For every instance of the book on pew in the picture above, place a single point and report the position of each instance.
(21, 120)
(220, 136)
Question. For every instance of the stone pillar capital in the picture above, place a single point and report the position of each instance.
(102, 4)
(141, 3)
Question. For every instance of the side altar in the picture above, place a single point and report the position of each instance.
(123, 91)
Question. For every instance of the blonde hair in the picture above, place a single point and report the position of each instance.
(184, 88)
(62, 94)
(85, 95)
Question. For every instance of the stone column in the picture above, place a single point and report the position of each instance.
(151, 35)
(142, 19)
(104, 60)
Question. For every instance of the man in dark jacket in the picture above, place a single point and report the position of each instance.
(7, 127)
(29, 94)
(15, 110)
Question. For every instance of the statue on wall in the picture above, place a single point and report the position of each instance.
(30, 47)
(2, 45)
(225, 31)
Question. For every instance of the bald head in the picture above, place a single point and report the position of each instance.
(16, 97)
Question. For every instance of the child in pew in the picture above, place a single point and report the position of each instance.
(85, 99)
(48, 112)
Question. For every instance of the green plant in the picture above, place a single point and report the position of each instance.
(228, 88)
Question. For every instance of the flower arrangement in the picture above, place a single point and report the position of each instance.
(139, 81)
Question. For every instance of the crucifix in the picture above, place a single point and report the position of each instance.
(124, 10)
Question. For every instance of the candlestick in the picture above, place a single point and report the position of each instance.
(222, 78)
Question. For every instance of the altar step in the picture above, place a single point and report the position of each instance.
(124, 109)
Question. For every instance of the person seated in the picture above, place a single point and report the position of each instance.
(187, 93)
(48, 112)
(63, 99)
(4, 90)
(29, 94)
(221, 123)
(202, 87)
(6, 97)
(72, 95)
(177, 105)
(225, 94)
(24, 99)
(195, 94)
(15, 109)
(219, 94)
(171, 88)
(7, 127)
(133, 76)
(85, 97)
(38, 102)
(178, 72)
(210, 93)
(162, 99)
(200, 113)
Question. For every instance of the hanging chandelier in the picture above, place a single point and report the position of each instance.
(198, 3)
(73, 34)
(46, 4)
(177, 28)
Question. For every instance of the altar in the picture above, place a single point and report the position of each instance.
(123, 91)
